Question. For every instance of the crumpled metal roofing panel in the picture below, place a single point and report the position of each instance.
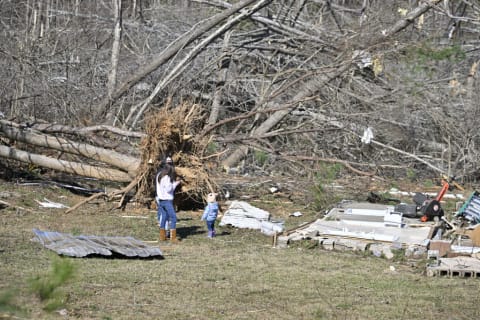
(82, 246)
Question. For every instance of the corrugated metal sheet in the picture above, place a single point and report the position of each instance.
(82, 246)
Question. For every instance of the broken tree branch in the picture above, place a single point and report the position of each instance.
(409, 18)
(182, 65)
(307, 90)
(408, 155)
(81, 131)
(92, 197)
(5, 203)
(169, 52)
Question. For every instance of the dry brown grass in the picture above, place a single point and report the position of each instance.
(237, 275)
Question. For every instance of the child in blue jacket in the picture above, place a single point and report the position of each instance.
(210, 214)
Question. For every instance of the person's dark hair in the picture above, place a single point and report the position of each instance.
(168, 170)
(167, 160)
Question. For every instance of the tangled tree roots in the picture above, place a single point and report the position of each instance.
(172, 131)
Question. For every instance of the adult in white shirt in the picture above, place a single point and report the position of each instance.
(166, 183)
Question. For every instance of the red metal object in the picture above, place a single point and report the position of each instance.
(441, 193)
(431, 208)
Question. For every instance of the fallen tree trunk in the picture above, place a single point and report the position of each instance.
(170, 131)
(65, 166)
(118, 160)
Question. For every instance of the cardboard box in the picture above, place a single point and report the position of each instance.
(443, 247)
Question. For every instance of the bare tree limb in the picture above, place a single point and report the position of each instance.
(92, 197)
(408, 155)
(221, 79)
(182, 65)
(278, 27)
(409, 18)
(189, 37)
(347, 164)
(81, 131)
(5, 203)
(308, 89)
(250, 114)
(117, 34)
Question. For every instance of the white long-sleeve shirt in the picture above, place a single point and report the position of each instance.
(166, 188)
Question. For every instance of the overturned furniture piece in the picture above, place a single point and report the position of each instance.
(83, 246)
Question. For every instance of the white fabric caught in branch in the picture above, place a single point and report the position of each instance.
(367, 135)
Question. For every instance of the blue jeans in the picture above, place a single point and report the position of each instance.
(166, 212)
(211, 225)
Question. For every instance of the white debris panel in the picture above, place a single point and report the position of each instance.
(241, 214)
(50, 204)
(373, 231)
(364, 222)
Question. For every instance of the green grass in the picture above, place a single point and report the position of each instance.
(47, 287)
(237, 275)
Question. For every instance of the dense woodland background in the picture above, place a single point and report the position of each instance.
(274, 87)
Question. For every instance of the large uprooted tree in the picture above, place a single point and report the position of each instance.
(100, 88)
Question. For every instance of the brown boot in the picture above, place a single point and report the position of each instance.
(173, 236)
(162, 235)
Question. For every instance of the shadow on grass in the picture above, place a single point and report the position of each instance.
(185, 232)
(118, 256)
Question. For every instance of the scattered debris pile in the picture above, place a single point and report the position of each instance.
(84, 246)
(470, 211)
(240, 214)
(451, 247)
(362, 226)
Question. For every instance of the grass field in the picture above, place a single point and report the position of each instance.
(237, 275)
